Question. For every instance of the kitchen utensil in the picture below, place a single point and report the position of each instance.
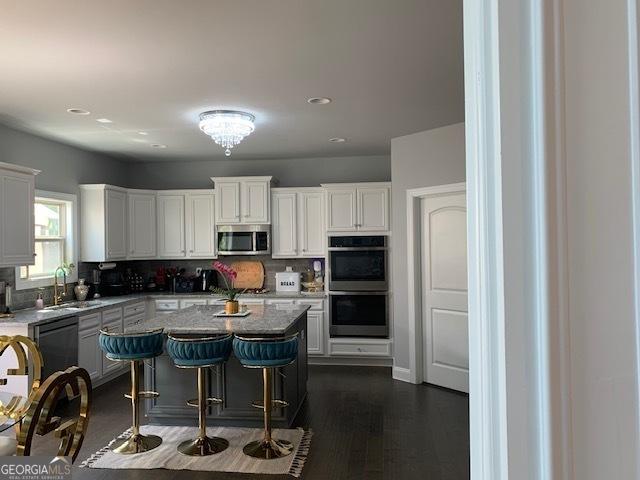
(250, 274)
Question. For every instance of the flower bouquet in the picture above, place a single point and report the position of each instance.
(228, 274)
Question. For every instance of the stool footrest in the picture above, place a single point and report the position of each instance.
(143, 395)
(209, 401)
(274, 404)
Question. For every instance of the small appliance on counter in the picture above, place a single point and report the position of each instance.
(184, 284)
(112, 284)
(205, 279)
(288, 281)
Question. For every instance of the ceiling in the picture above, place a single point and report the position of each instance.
(392, 67)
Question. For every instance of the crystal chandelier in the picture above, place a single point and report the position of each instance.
(227, 127)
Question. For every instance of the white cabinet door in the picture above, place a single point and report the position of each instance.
(255, 201)
(17, 246)
(284, 231)
(171, 226)
(89, 353)
(116, 224)
(315, 332)
(228, 202)
(142, 225)
(373, 209)
(312, 232)
(341, 210)
(200, 225)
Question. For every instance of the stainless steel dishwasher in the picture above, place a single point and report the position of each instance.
(58, 342)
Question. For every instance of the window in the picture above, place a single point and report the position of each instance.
(54, 240)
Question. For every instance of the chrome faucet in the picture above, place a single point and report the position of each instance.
(58, 296)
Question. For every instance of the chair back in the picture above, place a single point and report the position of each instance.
(29, 360)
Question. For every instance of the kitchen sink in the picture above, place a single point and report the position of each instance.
(72, 306)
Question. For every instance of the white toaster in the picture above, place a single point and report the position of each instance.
(288, 282)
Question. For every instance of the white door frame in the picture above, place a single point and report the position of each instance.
(414, 272)
(519, 378)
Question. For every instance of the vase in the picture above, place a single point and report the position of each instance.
(231, 307)
(81, 290)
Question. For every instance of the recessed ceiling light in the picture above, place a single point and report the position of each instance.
(143, 133)
(158, 145)
(78, 111)
(103, 120)
(337, 140)
(319, 100)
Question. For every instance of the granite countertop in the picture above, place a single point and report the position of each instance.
(32, 317)
(263, 320)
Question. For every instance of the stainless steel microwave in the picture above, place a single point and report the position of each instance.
(243, 239)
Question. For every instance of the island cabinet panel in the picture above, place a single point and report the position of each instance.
(236, 385)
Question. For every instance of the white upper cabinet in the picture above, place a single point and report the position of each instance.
(103, 223)
(284, 230)
(142, 224)
(298, 226)
(373, 209)
(312, 234)
(201, 225)
(228, 202)
(242, 200)
(171, 225)
(17, 192)
(358, 207)
(341, 210)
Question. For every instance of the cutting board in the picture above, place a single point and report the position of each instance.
(250, 274)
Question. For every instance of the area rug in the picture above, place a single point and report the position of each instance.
(231, 460)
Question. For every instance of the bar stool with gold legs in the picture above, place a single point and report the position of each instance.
(201, 353)
(267, 353)
(134, 348)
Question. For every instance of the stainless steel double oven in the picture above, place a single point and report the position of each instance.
(358, 286)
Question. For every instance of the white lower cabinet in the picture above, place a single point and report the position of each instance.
(112, 322)
(360, 347)
(192, 302)
(89, 353)
(315, 332)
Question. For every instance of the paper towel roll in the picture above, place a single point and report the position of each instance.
(106, 266)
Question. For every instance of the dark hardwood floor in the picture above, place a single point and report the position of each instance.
(366, 426)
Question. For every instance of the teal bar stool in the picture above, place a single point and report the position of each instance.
(134, 348)
(267, 353)
(201, 353)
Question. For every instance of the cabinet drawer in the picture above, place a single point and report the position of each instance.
(314, 304)
(251, 301)
(133, 320)
(280, 301)
(193, 301)
(134, 309)
(111, 315)
(368, 349)
(167, 305)
(88, 322)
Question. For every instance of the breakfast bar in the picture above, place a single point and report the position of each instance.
(237, 386)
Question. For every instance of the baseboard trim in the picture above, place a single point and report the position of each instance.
(402, 374)
(355, 361)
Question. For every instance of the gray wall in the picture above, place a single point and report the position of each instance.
(63, 166)
(292, 172)
(434, 157)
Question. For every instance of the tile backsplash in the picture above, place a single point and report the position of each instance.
(147, 268)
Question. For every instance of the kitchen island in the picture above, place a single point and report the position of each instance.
(236, 385)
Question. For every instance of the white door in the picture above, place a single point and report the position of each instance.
(313, 235)
(444, 295)
(200, 225)
(227, 202)
(341, 210)
(284, 225)
(315, 330)
(17, 246)
(255, 203)
(142, 225)
(116, 219)
(373, 209)
(171, 226)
